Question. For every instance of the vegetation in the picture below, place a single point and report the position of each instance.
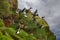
(30, 30)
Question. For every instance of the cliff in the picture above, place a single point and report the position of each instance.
(29, 29)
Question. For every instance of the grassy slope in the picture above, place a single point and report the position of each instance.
(40, 33)
(35, 32)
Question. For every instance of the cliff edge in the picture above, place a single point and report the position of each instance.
(18, 24)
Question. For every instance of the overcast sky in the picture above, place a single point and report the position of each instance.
(48, 8)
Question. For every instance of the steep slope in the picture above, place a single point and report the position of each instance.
(30, 30)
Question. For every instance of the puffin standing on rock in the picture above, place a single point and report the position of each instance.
(18, 28)
(34, 15)
(26, 11)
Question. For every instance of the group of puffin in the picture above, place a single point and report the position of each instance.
(25, 11)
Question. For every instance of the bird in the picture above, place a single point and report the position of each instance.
(34, 15)
(18, 28)
(17, 11)
(43, 17)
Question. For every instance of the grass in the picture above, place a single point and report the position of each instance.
(32, 32)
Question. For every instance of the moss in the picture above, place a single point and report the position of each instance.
(5, 38)
(4, 7)
(13, 5)
(1, 23)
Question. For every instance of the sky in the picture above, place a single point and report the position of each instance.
(48, 8)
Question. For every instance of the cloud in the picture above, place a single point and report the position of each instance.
(48, 8)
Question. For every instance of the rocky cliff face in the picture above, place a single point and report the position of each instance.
(13, 4)
(29, 29)
(7, 8)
